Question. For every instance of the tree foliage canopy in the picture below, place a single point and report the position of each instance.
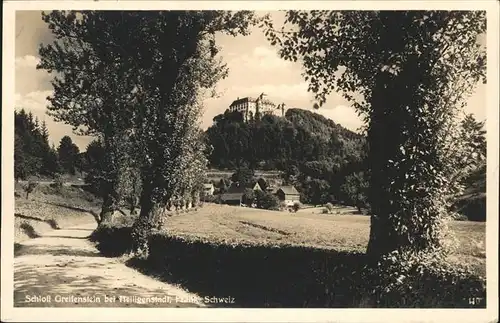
(408, 74)
(68, 154)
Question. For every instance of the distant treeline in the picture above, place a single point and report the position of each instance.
(33, 155)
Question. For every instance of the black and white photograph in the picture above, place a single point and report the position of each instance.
(186, 159)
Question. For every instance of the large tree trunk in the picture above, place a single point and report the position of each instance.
(150, 215)
(109, 205)
(113, 167)
(384, 142)
(403, 196)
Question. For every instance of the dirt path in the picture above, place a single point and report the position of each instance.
(63, 269)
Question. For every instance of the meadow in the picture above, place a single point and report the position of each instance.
(344, 231)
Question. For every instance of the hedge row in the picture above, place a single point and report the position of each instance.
(291, 276)
(112, 240)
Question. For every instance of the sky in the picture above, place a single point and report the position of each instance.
(254, 68)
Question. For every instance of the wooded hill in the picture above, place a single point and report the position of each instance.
(278, 142)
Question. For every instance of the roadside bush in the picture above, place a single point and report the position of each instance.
(242, 271)
(422, 280)
(321, 278)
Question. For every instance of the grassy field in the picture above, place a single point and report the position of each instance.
(339, 232)
(48, 208)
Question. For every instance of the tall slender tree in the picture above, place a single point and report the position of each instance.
(93, 87)
(135, 80)
(187, 64)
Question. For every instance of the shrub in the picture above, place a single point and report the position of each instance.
(58, 183)
(267, 201)
(329, 207)
(53, 223)
(322, 278)
(474, 208)
(112, 240)
(242, 271)
(297, 206)
(283, 206)
(325, 211)
(408, 279)
(248, 197)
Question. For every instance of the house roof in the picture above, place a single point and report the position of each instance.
(238, 101)
(289, 190)
(236, 188)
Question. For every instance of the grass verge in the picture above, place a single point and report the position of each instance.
(49, 208)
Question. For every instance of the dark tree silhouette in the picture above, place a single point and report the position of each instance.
(68, 154)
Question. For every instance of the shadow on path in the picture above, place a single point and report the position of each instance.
(63, 269)
(53, 224)
(29, 230)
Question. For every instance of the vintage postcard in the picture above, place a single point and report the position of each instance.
(250, 161)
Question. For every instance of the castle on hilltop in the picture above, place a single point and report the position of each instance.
(250, 107)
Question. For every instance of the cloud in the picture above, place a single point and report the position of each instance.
(33, 101)
(27, 61)
(261, 57)
(28, 78)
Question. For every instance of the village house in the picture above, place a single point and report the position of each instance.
(208, 189)
(234, 193)
(288, 194)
